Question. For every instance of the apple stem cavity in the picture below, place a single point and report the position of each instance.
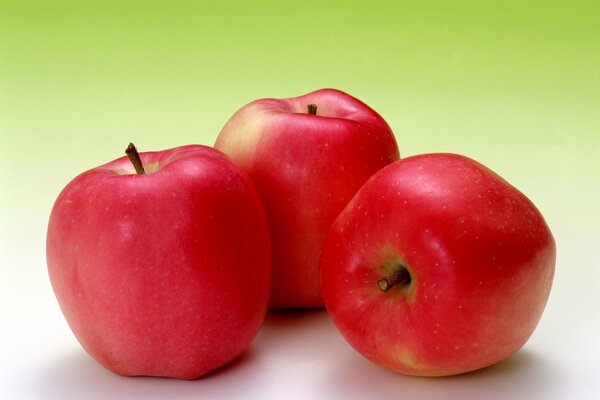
(135, 159)
(401, 279)
(312, 109)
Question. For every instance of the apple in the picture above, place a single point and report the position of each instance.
(437, 267)
(162, 273)
(307, 156)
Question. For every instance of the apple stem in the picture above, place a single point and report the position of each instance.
(135, 159)
(401, 279)
(312, 109)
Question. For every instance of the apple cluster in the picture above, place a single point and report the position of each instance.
(165, 263)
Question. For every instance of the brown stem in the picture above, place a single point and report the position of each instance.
(401, 279)
(135, 159)
(312, 109)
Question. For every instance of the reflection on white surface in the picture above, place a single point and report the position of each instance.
(297, 355)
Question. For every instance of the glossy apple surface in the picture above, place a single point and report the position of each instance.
(437, 267)
(166, 273)
(306, 168)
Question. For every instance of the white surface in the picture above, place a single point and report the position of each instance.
(297, 355)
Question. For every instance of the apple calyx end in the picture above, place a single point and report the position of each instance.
(135, 159)
(311, 109)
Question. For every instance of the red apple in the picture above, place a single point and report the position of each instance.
(165, 273)
(308, 156)
(437, 266)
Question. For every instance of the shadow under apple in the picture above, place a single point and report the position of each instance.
(77, 376)
(525, 375)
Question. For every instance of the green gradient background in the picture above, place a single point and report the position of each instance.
(515, 86)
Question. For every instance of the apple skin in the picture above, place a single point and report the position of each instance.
(162, 274)
(306, 169)
(480, 256)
